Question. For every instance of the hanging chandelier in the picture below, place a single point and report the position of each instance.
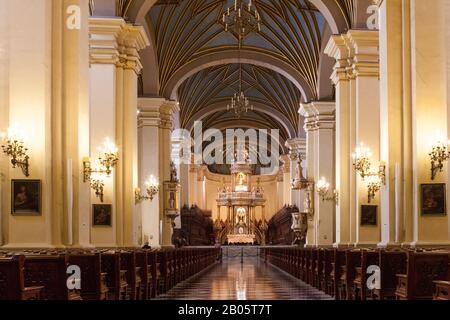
(241, 19)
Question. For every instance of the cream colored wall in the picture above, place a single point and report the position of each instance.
(102, 125)
(429, 107)
(25, 94)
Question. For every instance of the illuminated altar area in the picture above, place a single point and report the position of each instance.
(241, 201)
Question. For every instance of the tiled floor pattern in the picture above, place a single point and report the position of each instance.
(252, 280)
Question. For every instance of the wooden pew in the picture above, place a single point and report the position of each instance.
(347, 271)
(360, 289)
(144, 273)
(153, 271)
(422, 268)
(115, 277)
(442, 288)
(337, 261)
(391, 263)
(133, 276)
(12, 283)
(93, 280)
(326, 270)
(49, 272)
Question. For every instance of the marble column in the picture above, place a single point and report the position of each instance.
(113, 71)
(75, 124)
(321, 117)
(155, 127)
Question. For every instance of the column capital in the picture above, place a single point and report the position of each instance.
(156, 112)
(297, 148)
(114, 41)
(365, 47)
(319, 115)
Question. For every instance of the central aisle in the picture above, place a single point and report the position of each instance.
(251, 280)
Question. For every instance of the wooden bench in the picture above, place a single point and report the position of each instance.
(49, 272)
(391, 263)
(93, 280)
(12, 283)
(133, 275)
(422, 269)
(116, 280)
(360, 289)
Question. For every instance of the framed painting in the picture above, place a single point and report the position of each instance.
(102, 215)
(369, 215)
(433, 199)
(26, 197)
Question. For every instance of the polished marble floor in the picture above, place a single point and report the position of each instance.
(250, 280)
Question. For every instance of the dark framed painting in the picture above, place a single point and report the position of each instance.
(26, 197)
(433, 199)
(369, 216)
(102, 215)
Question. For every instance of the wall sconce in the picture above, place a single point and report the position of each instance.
(323, 188)
(152, 189)
(108, 160)
(373, 186)
(362, 164)
(439, 153)
(98, 186)
(14, 147)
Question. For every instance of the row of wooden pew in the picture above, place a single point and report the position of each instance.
(344, 273)
(126, 274)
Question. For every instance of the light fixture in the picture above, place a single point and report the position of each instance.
(108, 160)
(97, 185)
(323, 188)
(14, 147)
(438, 155)
(241, 19)
(362, 164)
(373, 186)
(152, 189)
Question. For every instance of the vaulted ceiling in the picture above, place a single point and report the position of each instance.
(197, 60)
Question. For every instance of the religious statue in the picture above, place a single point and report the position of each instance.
(173, 173)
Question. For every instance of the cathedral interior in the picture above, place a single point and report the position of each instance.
(224, 149)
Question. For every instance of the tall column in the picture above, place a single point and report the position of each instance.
(393, 139)
(155, 126)
(430, 109)
(75, 125)
(337, 49)
(193, 188)
(357, 120)
(321, 117)
(114, 45)
(365, 68)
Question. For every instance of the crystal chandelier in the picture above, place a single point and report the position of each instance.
(239, 103)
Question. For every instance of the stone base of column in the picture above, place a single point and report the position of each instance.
(370, 244)
(343, 245)
(389, 245)
(424, 244)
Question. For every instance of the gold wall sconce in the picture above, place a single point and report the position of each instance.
(98, 186)
(152, 189)
(14, 147)
(373, 186)
(323, 189)
(438, 155)
(108, 160)
(363, 164)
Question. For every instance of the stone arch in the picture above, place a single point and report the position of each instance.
(217, 107)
